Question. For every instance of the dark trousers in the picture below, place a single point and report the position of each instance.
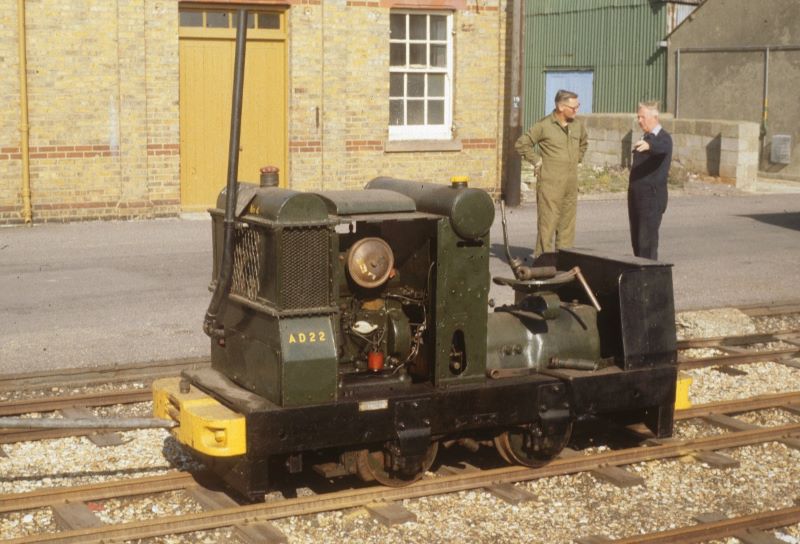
(646, 206)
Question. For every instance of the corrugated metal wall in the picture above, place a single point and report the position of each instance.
(617, 39)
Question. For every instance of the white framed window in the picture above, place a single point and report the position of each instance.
(420, 75)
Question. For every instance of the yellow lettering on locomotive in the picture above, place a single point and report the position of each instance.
(307, 337)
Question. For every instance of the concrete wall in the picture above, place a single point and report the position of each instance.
(730, 84)
(103, 82)
(727, 149)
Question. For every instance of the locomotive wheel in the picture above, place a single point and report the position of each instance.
(528, 446)
(372, 467)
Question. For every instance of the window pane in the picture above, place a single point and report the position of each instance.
(395, 112)
(438, 27)
(436, 112)
(191, 18)
(251, 20)
(438, 55)
(417, 53)
(397, 23)
(416, 84)
(217, 19)
(396, 85)
(435, 84)
(269, 20)
(397, 54)
(416, 112)
(418, 25)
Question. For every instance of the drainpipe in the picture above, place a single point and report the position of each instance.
(677, 80)
(513, 165)
(765, 108)
(27, 214)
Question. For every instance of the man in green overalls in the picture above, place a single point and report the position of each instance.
(562, 141)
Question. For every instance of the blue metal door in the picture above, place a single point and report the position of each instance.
(578, 82)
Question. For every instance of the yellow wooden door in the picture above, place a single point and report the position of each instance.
(207, 51)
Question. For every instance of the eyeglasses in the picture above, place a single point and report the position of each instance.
(573, 108)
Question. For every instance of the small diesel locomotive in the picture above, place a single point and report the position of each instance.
(352, 334)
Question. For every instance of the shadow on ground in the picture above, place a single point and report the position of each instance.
(499, 251)
(788, 220)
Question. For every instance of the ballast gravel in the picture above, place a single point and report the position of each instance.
(563, 508)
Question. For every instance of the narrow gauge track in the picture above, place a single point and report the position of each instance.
(717, 529)
(145, 373)
(82, 377)
(736, 354)
(444, 484)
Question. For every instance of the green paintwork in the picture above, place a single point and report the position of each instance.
(275, 204)
(471, 211)
(360, 202)
(513, 342)
(462, 290)
(308, 361)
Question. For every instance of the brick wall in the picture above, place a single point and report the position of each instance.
(10, 166)
(103, 113)
(726, 149)
(339, 107)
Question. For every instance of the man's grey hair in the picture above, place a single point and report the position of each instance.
(564, 95)
(651, 105)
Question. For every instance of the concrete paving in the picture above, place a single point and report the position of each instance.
(88, 294)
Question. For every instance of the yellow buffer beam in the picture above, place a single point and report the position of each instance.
(204, 424)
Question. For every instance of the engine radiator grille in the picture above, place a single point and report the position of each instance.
(303, 268)
(247, 258)
(287, 269)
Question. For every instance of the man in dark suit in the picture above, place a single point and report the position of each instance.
(647, 188)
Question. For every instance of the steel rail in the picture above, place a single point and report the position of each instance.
(717, 529)
(117, 488)
(738, 340)
(448, 484)
(171, 367)
(40, 498)
(76, 377)
(13, 436)
(9, 436)
(774, 400)
(761, 310)
(739, 359)
(145, 371)
(49, 404)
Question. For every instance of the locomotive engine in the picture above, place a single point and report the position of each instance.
(355, 338)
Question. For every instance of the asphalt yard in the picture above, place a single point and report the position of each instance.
(87, 294)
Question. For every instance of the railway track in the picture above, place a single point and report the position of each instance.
(569, 464)
(237, 515)
(147, 371)
(143, 374)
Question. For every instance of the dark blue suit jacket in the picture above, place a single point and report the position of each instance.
(650, 169)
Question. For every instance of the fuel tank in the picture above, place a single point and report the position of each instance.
(520, 339)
